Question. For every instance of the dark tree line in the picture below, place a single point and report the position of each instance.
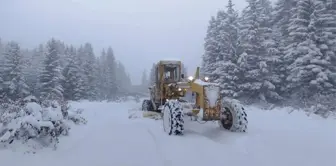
(58, 71)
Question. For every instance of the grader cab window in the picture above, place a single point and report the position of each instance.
(171, 73)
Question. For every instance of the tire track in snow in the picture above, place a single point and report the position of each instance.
(234, 143)
(158, 148)
(85, 132)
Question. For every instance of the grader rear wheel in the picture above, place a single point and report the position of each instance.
(233, 116)
(147, 105)
(173, 122)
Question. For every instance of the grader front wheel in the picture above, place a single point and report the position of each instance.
(173, 122)
(233, 116)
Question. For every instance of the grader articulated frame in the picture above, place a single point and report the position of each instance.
(169, 89)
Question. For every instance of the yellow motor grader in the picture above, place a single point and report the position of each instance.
(167, 96)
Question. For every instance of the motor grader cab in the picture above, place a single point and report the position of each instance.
(166, 97)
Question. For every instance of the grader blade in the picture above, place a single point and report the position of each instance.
(151, 115)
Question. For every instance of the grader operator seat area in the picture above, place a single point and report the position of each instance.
(171, 73)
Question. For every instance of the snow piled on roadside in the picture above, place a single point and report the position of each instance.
(33, 126)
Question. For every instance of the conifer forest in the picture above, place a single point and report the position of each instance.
(282, 54)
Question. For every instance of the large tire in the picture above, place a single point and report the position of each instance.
(173, 122)
(147, 105)
(233, 116)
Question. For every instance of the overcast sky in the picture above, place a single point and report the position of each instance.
(141, 32)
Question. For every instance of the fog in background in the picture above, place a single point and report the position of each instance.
(141, 32)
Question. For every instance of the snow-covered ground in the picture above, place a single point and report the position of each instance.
(275, 138)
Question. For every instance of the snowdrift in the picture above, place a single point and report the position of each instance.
(33, 122)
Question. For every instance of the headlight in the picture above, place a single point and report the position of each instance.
(179, 89)
(206, 78)
(190, 78)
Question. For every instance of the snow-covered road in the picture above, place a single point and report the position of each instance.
(275, 138)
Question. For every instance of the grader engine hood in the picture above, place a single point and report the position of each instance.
(211, 94)
(208, 99)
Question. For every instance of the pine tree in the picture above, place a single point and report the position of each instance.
(129, 80)
(122, 79)
(309, 70)
(256, 49)
(250, 61)
(1, 48)
(211, 49)
(73, 81)
(111, 80)
(102, 75)
(152, 75)
(97, 80)
(51, 76)
(144, 79)
(283, 12)
(272, 75)
(14, 87)
(89, 69)
(34, 69)
(62, 53)
(325, 24)
(80, 56)
(227, 68)
(220, 51)
(1, 53)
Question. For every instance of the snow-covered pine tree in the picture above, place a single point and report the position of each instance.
(220, 52)
(61, 49)
(51, 76)
(102, 75)
(1, 53)
(272, 75)
(309, 72)
(73, 81)
(211, 49)
(144, 79)
(282, 13)
(14, 87)
(126, 78)
(129, 80)
(326, 31)
(80, 61)
(111, 78)
(122, 80)
(1, 48)
(81, 77)
(227, 67)
(152, 75)
(250, 77)
(88, 64)
(255, 77)
(34, 69)
(97, 80)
